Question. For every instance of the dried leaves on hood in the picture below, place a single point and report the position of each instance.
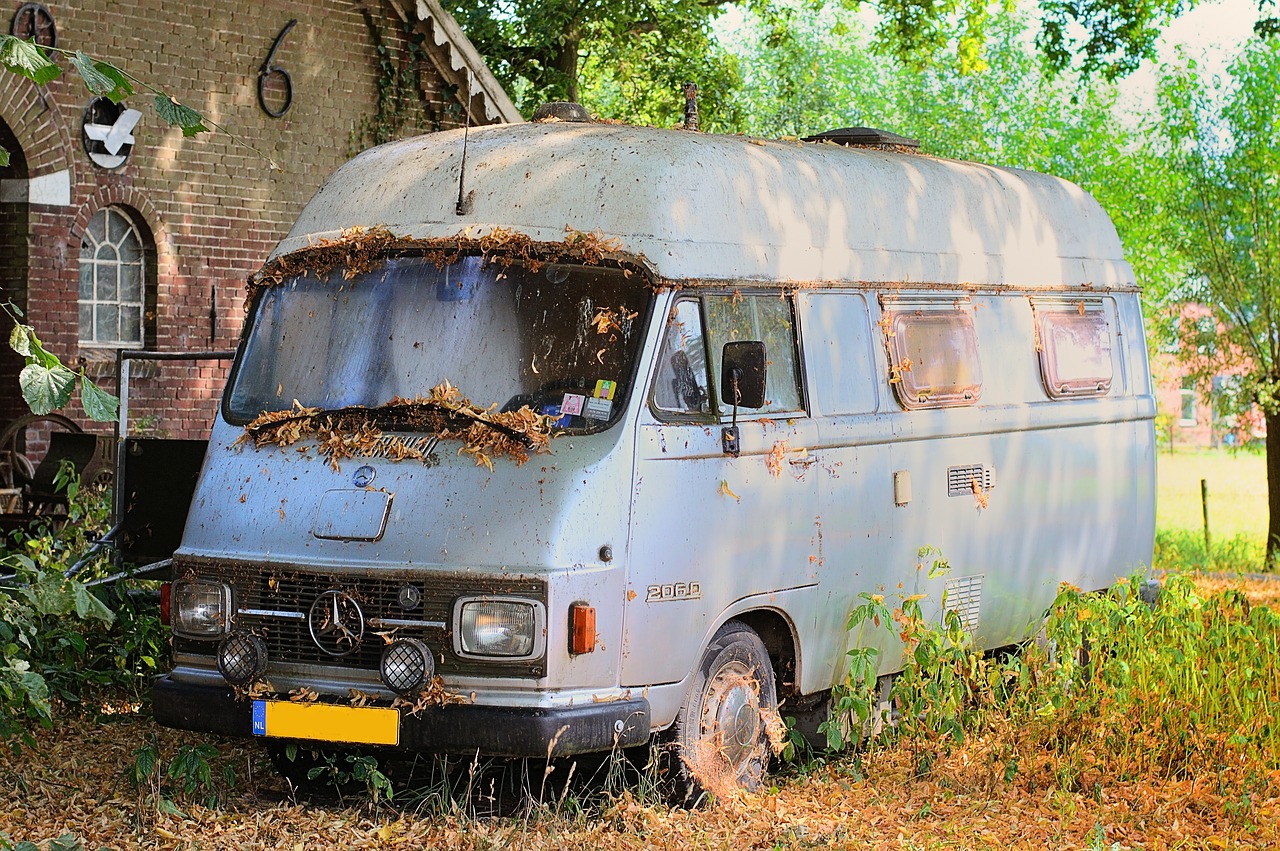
(485, 433)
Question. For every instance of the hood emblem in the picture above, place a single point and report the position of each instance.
(336, 622)
(364, 476)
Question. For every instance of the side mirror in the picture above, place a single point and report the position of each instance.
(742, 374)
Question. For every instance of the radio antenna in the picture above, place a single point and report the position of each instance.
(464, 199)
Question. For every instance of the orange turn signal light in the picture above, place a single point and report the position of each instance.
(166, 603)
(582, 628)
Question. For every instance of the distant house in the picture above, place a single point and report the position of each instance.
(118, 232)
(1190, 409)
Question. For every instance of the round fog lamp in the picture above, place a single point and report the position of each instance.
(242, 657)
(407, 665)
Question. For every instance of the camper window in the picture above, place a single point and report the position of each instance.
(933, 358)
(1075, 351)
(766, 318)
(681, 383)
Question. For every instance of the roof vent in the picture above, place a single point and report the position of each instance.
(867, 137)
(562, 110)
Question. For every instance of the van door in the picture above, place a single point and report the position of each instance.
(844, 361)
(709, 531)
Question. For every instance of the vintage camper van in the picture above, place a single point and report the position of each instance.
(558, 437)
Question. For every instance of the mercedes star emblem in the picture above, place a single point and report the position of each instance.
(336, 623)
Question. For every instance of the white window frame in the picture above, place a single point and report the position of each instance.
(102, 258)
(1187, 396)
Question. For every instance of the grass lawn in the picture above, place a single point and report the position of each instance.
(1237, 493)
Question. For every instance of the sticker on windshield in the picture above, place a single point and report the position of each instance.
(605, 389)
(572, 404)
(598, 409)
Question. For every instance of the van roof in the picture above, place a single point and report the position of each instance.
(694, 206)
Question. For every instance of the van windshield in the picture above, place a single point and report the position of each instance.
(562, 340)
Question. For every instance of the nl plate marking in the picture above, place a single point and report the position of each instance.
(325, 722)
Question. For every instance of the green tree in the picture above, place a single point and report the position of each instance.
(623, 52)
(1219, 139)
(623, 57)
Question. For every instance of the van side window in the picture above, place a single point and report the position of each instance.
(681, 383)
(767, 318)
(933, 358)
(1074, 343)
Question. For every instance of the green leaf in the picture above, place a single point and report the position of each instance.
(27, 59)
(102, 78)
(46, 389)
(37, 691)
(88, 606)
(66, 842)
(180, 115)
(23, 340)
(100, 405)
(4, 157)
(168, 807)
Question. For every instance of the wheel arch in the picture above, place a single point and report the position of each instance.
(780, 640)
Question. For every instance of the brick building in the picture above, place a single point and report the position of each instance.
(1190, 405)
(116, 234)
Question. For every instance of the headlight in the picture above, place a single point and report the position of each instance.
(506, 628)
(200, 607)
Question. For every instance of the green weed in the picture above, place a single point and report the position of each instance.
(1113, 687)
(1183, 549)
(187, 775)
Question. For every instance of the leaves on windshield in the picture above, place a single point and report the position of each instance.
(485, 433)
(611, 321)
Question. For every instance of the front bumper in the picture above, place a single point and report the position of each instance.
(459, 728)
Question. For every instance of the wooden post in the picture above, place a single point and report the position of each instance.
(1204, 506)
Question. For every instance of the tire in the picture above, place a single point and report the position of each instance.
(721, 737)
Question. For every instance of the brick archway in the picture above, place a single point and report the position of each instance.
(14, 228)
(118, 195)
(36, 121)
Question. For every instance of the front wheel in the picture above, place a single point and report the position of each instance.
(724, 730)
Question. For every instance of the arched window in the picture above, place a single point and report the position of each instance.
(113, 283)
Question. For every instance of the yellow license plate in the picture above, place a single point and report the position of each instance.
(365, 725)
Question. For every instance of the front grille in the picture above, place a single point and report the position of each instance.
(274, 604)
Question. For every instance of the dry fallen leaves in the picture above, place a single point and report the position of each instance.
(349, 434)
(361, 250)
(70, 782)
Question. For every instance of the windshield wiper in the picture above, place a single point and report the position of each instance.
(388, 416)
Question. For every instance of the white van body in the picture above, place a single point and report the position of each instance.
(887, 269)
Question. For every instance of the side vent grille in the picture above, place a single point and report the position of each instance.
(967, 480)
(964, 597)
